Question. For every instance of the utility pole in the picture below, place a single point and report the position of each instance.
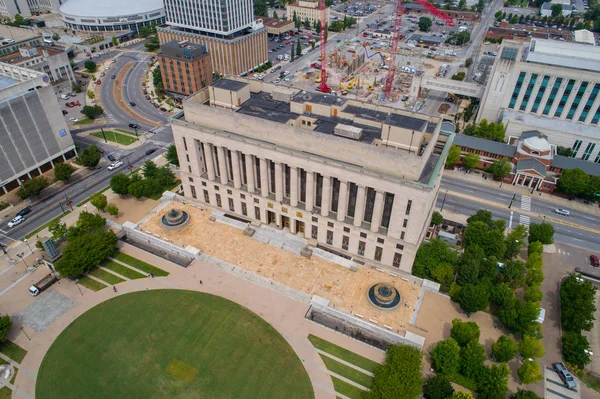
(103, 135)
(512, 200)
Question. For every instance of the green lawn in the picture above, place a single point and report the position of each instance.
(5, 393)
(34, 232)
(125, 131)
(115, 137)
(171, 344)
(84, 121)
(344, 354)
(348, 372)
(140, 265)
(346, 389)
(14, 377)
(122, 270)
(91, 284)
(12, 350)
(106, 276)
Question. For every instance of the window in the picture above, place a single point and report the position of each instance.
(576, 147)
(380, 240)
(242, 196)
(216, 188)
(387, 210)
(189, 169)
(552, 96)
(229, 192)
(352, 199)
(402, 235)
(184, 144)
(517, 90)
(302, 185)
(256, 201)
(540, 93)
(257, 213)
(363, 235)
(397, 259)
(528, 91)
(345, 241)
(287, 176)
(588, 151)
(231, 207)
(206, 197)
(330, 224)
(405, 223)
(244, 209)
(319, 191)
(378, 253)
(589, 103)
(193, 190)
(564, 98)
(400, 247)
(408, 206)
(335, 194)
(187, 157)
(218, 200)
(577, 100)
(272, 175)
(329, 237)
(370, 204)
(361, 248)
(314, 232)
(203, 184)
(346, 229)
(315, 220)
(190, 179)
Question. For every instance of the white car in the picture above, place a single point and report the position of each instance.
(562, 211)
(16, 221)
(107, 67)
(74, 119)
(115, 165)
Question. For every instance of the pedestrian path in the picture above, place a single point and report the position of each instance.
(158, 143)
(526, 206)
(524, 220)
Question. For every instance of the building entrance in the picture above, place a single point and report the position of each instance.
(271, 218)
(300, 227)
(286, 221)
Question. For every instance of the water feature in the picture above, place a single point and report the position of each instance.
(384, 296)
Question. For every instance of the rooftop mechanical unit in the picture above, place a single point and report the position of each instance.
(348, 131)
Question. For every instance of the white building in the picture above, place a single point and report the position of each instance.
(306, 9)
(549, 86)
(222, 17)
(54, 63)
(25, 8)
(356, 179)
(546, 9)
(585, 36)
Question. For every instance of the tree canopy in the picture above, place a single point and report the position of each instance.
(400, 376)
(493, 382)
(119, 183)
(63, 172)
(99, 201)
(90, 66)
(171, 155)
(437, 387)
(33, 187)
(500, 168)
(486, 130)
(92, 111)
(531, 347)
(471, 160)
(573, 181)
(86, 251)
(530, 372)
(425, 24)
(445, 356)
(574, 345)
(89, 157)
(464, 332)
(472, 357)
(504, 349)
(577, 304)
(473, 298)
(430, 255)
(5, 326)
(542, 232)
(453, 155)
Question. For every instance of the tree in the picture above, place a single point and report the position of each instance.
(530, 372)
(501, 295)
(99, 201)
(120, 183)
(437, 387)
(468, 62)
(19, 20)
(113, 210)
(63, 172)
(55, 37)
(461, 395)
(472, 357)
(171, 155)
(531, 347)
(33, 187)
(58, 229)
(473, 298)
(462, 4)
(556, 10)
(298, 47)
(445, 356)
(136, 189)
(453, 155)
(458, 38)
(481, 215)
(504, 349)
(469, 268)
(513, 274)
(524, 394)
(493, 382)
(145, 31)
(92, 111)
(577, 304)
(490, 131)
(471, 160)
(115, 41)
(564, 151)
(152, 44)
(91, 95)
(491, 240)
(86, 251)
(573, 181)
(464, 332)
(460, 76)
(500, 168)
(260, 8)
(574, 347)
(5, 326)
(293, 53)
(89, 157)
(275, 12)
(542, 232)
(498, 16)
(515, 240)
(150, 170)
(86, 223)
(425, 24)
(430, 255)
(535, 247)
(400, 376)
(90, 66)
(436, 218)
(519, 316)
(533, 294)
(480, 6)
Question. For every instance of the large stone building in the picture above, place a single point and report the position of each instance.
(53, 62)
(185, 67)
(357, 179)
(14, 38)
(25, 8)
(549, 86)
(236, 42)
(33, 132)
(306, 9)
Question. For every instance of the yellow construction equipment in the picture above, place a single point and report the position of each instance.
(318, 79)
(343, 89)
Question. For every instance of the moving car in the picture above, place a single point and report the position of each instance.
(565, 375)
(17, 220)
(74, 119)
(115, 165)
(163, 109)
(24, 211)
(562, 211)
(135, 125)
(113, 76)
(132, 103)
(593, 260)
(150, 151)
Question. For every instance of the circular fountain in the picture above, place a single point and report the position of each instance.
(175, 219)
(384, 296)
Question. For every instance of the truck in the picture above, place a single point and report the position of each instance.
(43, 284)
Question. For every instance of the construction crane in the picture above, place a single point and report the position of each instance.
(395, 40)
(323, 36)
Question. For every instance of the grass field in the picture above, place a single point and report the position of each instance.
(344, 354)
(91, 283)
(171, 344)
(122, 270)
(12, 350)
(346, 389)
(115, 137)
(140, 265)
(106, 276)
(126, 131)
(84, 121)
(347, 372)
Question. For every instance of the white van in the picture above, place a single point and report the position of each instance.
(64, 97)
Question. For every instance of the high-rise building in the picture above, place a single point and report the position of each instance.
(185, 67)
(33, 130)
(549, 86)
(220, 17)
(359, 180)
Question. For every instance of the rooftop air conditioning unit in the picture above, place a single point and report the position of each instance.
(348, 131)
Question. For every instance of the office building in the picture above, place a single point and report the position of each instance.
(276, 26)
(33, 131)
(185, 67)
(26, 8)
(53, 62)
(549, 86)
(356, 179)
(306, 9)
(220, 17)
(13, 38)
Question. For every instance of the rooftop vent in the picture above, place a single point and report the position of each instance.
(348, 131)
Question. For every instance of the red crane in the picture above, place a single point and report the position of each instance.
(395, 40)
(323, 40)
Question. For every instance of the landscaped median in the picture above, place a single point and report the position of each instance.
(115, 137)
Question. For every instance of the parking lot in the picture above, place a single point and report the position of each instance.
(555, 389)
(64, 89)
(280, 46)
(358, 9)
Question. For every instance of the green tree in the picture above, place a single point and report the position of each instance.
(293, 53)
(145, 31)
(574, 347)
(171, 155)
(260, 8)
(468, 270)
(99, 201)
(55, 37)
(471, 160)
(58, 229)
(542, 232)
(453, 155)
(445, 356)
(33, 187)
(473, 298)
(86, 223)
(493, 382)
(444, 274)
(504, 349)
(480, 6)
(481, 215)
(92, 111)
(462, 5)
(461, 395)
(564, 151)
(530, 372)
(63, 172)
(90, 66)
(5, 326)
(19, 20)
(113, 210)
(86, 251)
(425, 24)
(556, 10)
(515, 241)
(498, 16)
(115, 41)
(573, 181)
(533, 293)
(577, 304)
(298, 47)
(535, 247)
(464, 332)
(460, 76)
(500, 168)
(531, 347)
(400, 376)
(436, 218)
(437, 387)
(150, 170)
(513, 274)
(120, 183)
(472, 357)
(136, 189)
(490, 131)
(458, 38)
(91, 95)
(491, 240)
(152, 44)
(89, 157)
(519, 316)
(468, 62)
(524, 394)
(430, 255)
(275, 15)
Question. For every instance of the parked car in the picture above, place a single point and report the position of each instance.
(64, 112)
(135, 125)
(148, 98)
(150, 151)
(565, 375)
(72, 94)
(101, 150)
(17, 220)
(115, 165)
(562, 211)
(163, 109)
(74, 119)
(113, 61)
(156, 105)
(593, 260)
(85, 76)
(132, 103)
(24, 211)
(98, 82)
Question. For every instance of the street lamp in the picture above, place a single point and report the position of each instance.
(444, 201)
(136, 133)
(22, 256)
(512, 200)
(28, 245)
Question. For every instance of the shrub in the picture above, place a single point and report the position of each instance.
(113, 210)
(504, 349)
(437, 387)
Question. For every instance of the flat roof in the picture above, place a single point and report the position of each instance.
(275, 23)
(402, 121)
(229, 84)
(6, 82)
(109, 8)
(564, 54)
(540, 122)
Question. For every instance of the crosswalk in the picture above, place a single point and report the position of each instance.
(524, 220)
(562, 252)
(162, 144)
(526, 206)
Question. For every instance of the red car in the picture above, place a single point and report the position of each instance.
(594, 261)
(287, 42)
(98, 82)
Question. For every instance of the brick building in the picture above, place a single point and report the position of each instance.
(186, 67)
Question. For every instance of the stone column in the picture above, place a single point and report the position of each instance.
(222, 164)
(359, 210)
(208, 156)
(235, 165)
(264, 178)
(310, 191)
(342, 201)
(377, 211)
(250, 172)
(278, 182)
(293, 186)
(326, 196)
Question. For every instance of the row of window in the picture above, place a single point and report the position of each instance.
(589, 149)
